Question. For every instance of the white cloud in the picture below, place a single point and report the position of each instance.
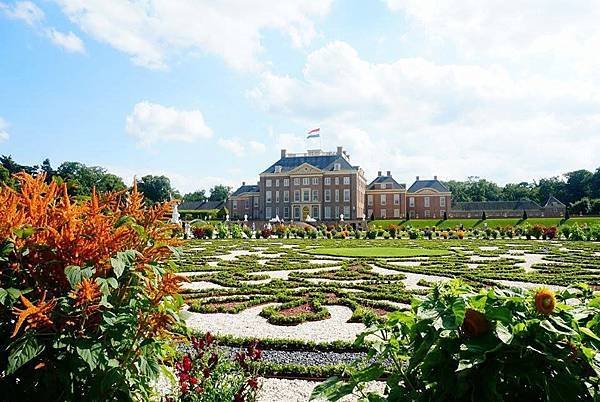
(537, 34)
(413, 116)
(3, 130)
(32, 15)
(238, 147)
(151, 123)
(152, 31)
(68, 41)
(25, 11)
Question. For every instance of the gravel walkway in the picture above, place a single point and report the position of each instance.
(249, 324)
(306, 358)
(282, 390)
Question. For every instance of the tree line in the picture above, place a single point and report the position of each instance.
(579, 190)
(81, 179)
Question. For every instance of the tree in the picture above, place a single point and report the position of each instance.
(595, 184)
(578, 184)
(581, 207)
(524, 215)
(520, 191)
(551, 186)
(219, 193)
(483, 216)
(13, 167)
(199, 195)
(156, 188)
(81, 179)
(5, 177)
(47, 169)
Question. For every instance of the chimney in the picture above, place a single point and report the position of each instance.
(243, 183)
(389, 172)
(417, 178)
(434, 177)
(339, 151)
(379, 173)
(283, 152)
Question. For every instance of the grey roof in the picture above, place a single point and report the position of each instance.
(520, 205)
(553, 200)
(433, 184)
(386, 179)
(323, 162)
(200, 206)
(247, 188)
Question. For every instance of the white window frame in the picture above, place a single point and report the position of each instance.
(396, 199)
(383, 199)
(346, 180)
(306, 181)
(346, 195)
(277, 196)
(442, 201)
(286, 196)
(315, 195)
(411, 202)
(315, 212)
(397, 213)
(383, 213)
(328, 181)
(427, 213)
(306, 195)
(276, 182)
(297, 209)
(286, 212)
(337, 195)
(327, 212)
(426, 202)
(347, 212)
(337, 181)
(268, 183)
(296, 181)
(327, 195)
(315, 181)
(268, 197)
(297, 196)
(286, 182)
(370, 200)
(234, 204)
(268, 213)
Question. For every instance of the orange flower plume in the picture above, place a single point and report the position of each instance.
(86, 292)
(545, 302)
(36, 316)
(475, 324)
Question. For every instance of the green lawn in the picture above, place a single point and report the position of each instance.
(492, 222)
(377, 252)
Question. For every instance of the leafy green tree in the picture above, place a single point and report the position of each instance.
(13, 167)
(199, 195)
(219, 193)
(47, 169)
(551, 186)
(5, 177)
(578, 184)
(81, 179)
(520, 191)
(581, 207)
(157, 188)
(595, 184)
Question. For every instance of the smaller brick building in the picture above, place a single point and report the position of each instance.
(428, 199)
(244, 202)
(386, 198)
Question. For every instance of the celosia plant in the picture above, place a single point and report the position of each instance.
(88, 308)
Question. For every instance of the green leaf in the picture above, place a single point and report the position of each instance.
(22, 352)
(370, 373)
(589, 333)
(90, 354)
(503, 333)
(73, 274)
(458, 308)
(23, 232)
(3, 295)
(118, 266)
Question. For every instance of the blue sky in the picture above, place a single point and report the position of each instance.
(208, 92)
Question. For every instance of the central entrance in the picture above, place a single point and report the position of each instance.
(304, 212)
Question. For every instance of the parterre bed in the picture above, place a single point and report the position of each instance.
(294, 300)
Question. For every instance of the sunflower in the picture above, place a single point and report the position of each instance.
(474, 324)
(545, 301)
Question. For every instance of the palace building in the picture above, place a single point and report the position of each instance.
(326, 185)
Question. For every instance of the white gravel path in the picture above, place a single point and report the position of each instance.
(528, 285)
(200, 285)
(285, 273)
(383, 271)
(248, 323)
(405, 263)
(284, 390)
(411, 280)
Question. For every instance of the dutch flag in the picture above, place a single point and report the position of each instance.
(314, 133)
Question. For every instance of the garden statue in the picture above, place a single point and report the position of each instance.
(253, 227)
(341, 217)
(227, 218)
(175, 215)
(187, 230)
(245, 217)
(364, 217)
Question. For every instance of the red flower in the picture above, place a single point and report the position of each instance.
(187, 363)
(214, 358)
(193, 380)
(475, 324)
(252, 382)
(206, 372)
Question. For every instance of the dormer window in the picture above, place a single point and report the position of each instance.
(337, 166)
(278, 169)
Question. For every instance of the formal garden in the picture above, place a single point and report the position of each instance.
(103, 299)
